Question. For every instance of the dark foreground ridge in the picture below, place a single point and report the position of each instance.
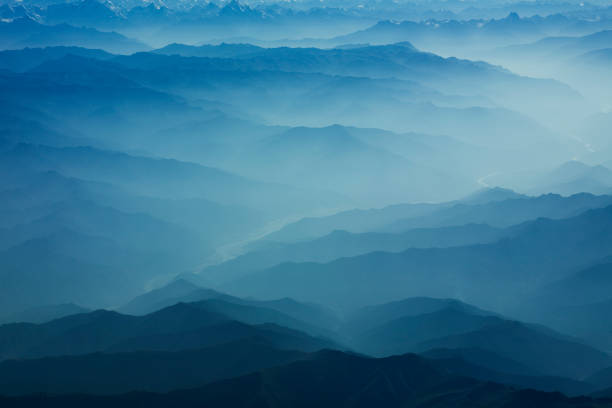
(331, 379)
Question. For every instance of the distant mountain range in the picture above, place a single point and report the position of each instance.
(449, 36)
(405, 105)
(569, 178)
(451, 25)
(543, 250)
(25, 32)
(572, 177)
(560, 48)
(26, 59)
(465, 222)
(402, 61)
(89, 232)
(339, 244)
(305, 204)
(399, 218)
(581, 61)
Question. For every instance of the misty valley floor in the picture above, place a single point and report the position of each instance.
(305, 204)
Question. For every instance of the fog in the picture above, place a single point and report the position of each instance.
(240, 185)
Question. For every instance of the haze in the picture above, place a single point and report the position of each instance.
(305, 203)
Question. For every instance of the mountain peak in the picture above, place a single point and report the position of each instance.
(181, 284)
(235, 8)
(513, 16)
(491, 194)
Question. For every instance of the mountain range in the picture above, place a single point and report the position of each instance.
(340, 378)
(539, 250)
(239, 203)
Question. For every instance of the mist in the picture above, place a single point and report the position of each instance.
(305, 203)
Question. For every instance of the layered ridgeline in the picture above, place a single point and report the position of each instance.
(121, 170)
(26, 32)
(95, 234)
(340, 379)
(494, 274)
(578, 304)
(481, 340)
(582, 61)
(407, 89)
(305, 204)
(398, 82)
(181, 326)
(485, 217)
(463, 339)
(412, 325)
(436, 253)
(442, 26)
(84, 219)
(569, 178)
(475, 37)
(104, 352)
(217, 336)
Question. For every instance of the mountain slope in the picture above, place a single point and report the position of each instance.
(341, 380)
(25, 32)
(43, 314)
(179, 327)
(28, 58)
(154, 371)
(179, 290)
(492, 275)
(403, 217)
(407, 326)
(287, 312)
(141, 175)
(340, 244)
